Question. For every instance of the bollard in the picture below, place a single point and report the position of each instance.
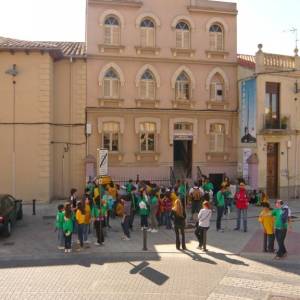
(145, 239)
(33, 207)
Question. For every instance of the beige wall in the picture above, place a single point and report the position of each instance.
(41, 95)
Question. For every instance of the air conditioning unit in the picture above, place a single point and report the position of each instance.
(88, 129)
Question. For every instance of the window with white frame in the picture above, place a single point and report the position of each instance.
(111, 84)
(217, 137)
(183, 36)
(147, 136)
(110, 136)
(112, 31)
(147, 86)
(217, 88)
(216, 37)
(147, 33)
(183, 87)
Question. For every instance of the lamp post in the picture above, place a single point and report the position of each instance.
(288, 147)
(13, 72)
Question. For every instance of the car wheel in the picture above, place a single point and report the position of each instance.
(20, 215)
(7, 229)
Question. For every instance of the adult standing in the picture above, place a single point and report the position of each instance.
(178, 216)
(220, 203)
(281, 214)
(182, 193)
(196, 194)
(96, 215)
(204, 217)
(153, 211)
(242, 203)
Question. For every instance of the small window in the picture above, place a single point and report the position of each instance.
(111, 136)
(217, 88)
(147, 137)
(183, 36)
(111, 84)
(216, 37)
(111, 31)
(182, 87)
(217, 136)
(147, 86)
(183, 126)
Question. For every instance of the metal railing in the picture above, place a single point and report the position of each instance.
(172, 176)
(278, 123)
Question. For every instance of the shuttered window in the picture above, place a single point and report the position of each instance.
(217, 138)
(216, 38)
(112, 31)
(147, 137)
(216, 91)
(147, 86)
(111, 85)
(110, 136)
(183, 36)
(182, 87)
(147, 34)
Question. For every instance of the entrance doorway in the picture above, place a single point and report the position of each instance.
(272, 170)
(183, 158)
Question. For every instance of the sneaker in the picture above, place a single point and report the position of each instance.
(199, 247)
(125, 238)
(66, 250)
(87, 242)
(69, 250)
(154, 230)
(97, 244)
(149, 229)
(60, 248)
(222, 230)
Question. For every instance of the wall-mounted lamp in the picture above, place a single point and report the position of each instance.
(297, 88)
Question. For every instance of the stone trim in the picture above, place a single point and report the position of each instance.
(112, 12)
(116, 68)
(119, 120)
(137, 122)
(141, 72)
(185, 18)
(220, 21)
(177, 73)
(212, 73)
(193, 121)
(146, 15)
(218, 121)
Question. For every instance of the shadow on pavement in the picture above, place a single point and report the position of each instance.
(149, 273)
(196, 257)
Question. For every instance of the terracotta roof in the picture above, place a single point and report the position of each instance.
(58, 49)
(247, 61)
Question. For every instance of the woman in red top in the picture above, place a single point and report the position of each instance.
(242, 203)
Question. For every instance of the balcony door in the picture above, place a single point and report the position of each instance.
(272, 105)
(272, 170)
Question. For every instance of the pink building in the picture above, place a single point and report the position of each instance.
(162, 87)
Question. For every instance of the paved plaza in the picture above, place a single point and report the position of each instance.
(234, 268)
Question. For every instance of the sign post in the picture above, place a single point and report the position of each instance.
(103, 162)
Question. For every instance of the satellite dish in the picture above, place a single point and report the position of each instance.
(12, 71)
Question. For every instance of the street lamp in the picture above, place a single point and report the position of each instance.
(288, 147)
(13, 72)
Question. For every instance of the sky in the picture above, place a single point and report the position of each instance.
(259, 21)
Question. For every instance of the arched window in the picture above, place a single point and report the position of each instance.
(216, 37)
(112, 31)
(111, 84)
(183, 87)
(217, 137)
(147, 136)
(110, 136)
(183, 36)
(217, 91)
(147, 33)
(147, 85)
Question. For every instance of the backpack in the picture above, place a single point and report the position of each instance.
(196, 195)
(285, 215)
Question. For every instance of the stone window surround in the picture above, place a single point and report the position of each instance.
(137, 122)
(116, 68)
(145, 16)
(119, 120)
(111, 12)
(212, 73)
(183, 18)
(193, 121)
(217, 121)
(141, 72)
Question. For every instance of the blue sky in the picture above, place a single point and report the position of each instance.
(259, 21)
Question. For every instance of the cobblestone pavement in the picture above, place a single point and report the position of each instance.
(32, 268)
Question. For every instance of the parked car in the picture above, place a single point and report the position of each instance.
(10, 211)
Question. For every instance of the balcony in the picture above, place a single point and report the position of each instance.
(279, 126)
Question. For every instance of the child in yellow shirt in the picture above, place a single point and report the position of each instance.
(267, 221)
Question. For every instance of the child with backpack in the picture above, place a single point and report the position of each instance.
(196, 194)
(267, 221)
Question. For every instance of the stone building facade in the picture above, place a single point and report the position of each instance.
(161, 87)
(272, 162)
(42, 120)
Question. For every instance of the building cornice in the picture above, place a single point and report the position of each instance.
(127, 3)
(211, 11)
(147, 59)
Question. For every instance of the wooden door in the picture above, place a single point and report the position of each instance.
(272, 170)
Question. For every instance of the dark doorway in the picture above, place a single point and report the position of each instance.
(183, 158)
(216, 180)
(272, 170)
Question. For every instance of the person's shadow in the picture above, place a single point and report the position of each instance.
(196, 257)
(226, 258)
